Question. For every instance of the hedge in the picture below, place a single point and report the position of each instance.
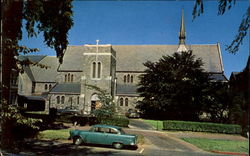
(201, 127)
(116, 121)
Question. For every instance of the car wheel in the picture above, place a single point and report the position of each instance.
(77, 141)
(117, 145)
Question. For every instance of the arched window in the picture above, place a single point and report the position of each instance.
(46, 87)
(121, 101)
(94, 70)
(131, 79)
(78, 100)
(65, 79)
(50, 86)
(58, 99)
(128, 78)
(72, 77)
(126, 102)
(125, 78)
(99, 70)
(68, 77)
(62, 99)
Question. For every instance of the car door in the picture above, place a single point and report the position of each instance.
(113, 135)
(97, 136)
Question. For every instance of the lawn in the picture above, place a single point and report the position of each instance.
(219, 145)
(155, 123)
(62, 134)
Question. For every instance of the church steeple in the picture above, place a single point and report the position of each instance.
(182, 35)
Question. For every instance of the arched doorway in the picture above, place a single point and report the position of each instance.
(95, 102)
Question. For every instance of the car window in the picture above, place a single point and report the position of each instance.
(113, 131)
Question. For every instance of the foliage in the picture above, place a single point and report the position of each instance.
(16, 126)
(120, 121)
(219, 145)
(201, 127)
(223, 6)
(217, 104)
(157, 124)
(173, 88)
(107, 109)
(54, 18)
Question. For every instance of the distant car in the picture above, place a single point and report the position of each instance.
(68, 111)
(105, 135)
(132, 113)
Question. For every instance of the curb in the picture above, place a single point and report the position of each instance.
(230, 153)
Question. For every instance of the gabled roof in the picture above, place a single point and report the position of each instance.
(123, 89)
(132, 57)
(72, 59)
(71, 88)
(38, 74)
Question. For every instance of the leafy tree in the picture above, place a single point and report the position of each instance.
(52, 17)
(107, 109)
(173, 88)
(217, 104)
(223, 6)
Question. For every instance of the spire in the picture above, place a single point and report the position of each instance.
(182, 35)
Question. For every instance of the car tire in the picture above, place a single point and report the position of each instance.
(117, 145)
(77, 140)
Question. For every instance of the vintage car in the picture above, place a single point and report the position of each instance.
(105, 135)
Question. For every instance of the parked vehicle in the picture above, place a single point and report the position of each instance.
(68, 111)
(104, 134)
(132, 113)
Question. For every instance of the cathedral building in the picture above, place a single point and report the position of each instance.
(114, 68)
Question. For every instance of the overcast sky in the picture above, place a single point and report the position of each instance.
(153, 22)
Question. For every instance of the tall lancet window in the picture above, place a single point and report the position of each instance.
(94, 70)
(99, 67)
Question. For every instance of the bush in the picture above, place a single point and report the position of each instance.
(201, 127)
(115, 121)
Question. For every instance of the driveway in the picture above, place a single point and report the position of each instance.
(159, 143)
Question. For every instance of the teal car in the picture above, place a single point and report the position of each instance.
(105, 135)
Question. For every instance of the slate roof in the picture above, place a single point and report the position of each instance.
(72, 59)
(38, 74)
(71, 88)
(132, 57)
(218, 77)
(126, 89)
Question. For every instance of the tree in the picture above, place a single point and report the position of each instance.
(107, 109)
(217, 104)
(173, 88)
(52, 17)
(223, 6)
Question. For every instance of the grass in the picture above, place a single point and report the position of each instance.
(158, 124)
(62, 134)
(219, 145)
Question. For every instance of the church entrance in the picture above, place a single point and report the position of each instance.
(95, 102)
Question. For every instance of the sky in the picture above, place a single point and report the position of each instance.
(153, 23)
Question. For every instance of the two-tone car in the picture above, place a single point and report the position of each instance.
(105, 135)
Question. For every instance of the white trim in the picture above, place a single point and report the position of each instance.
(109, 54)
(221, 63)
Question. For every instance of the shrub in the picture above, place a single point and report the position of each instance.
(201, 127)
(120, 121)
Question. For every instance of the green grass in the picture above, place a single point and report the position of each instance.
(155, 123)
(219, 145)
(62, 134)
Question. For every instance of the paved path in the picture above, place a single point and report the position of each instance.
(139, 124)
